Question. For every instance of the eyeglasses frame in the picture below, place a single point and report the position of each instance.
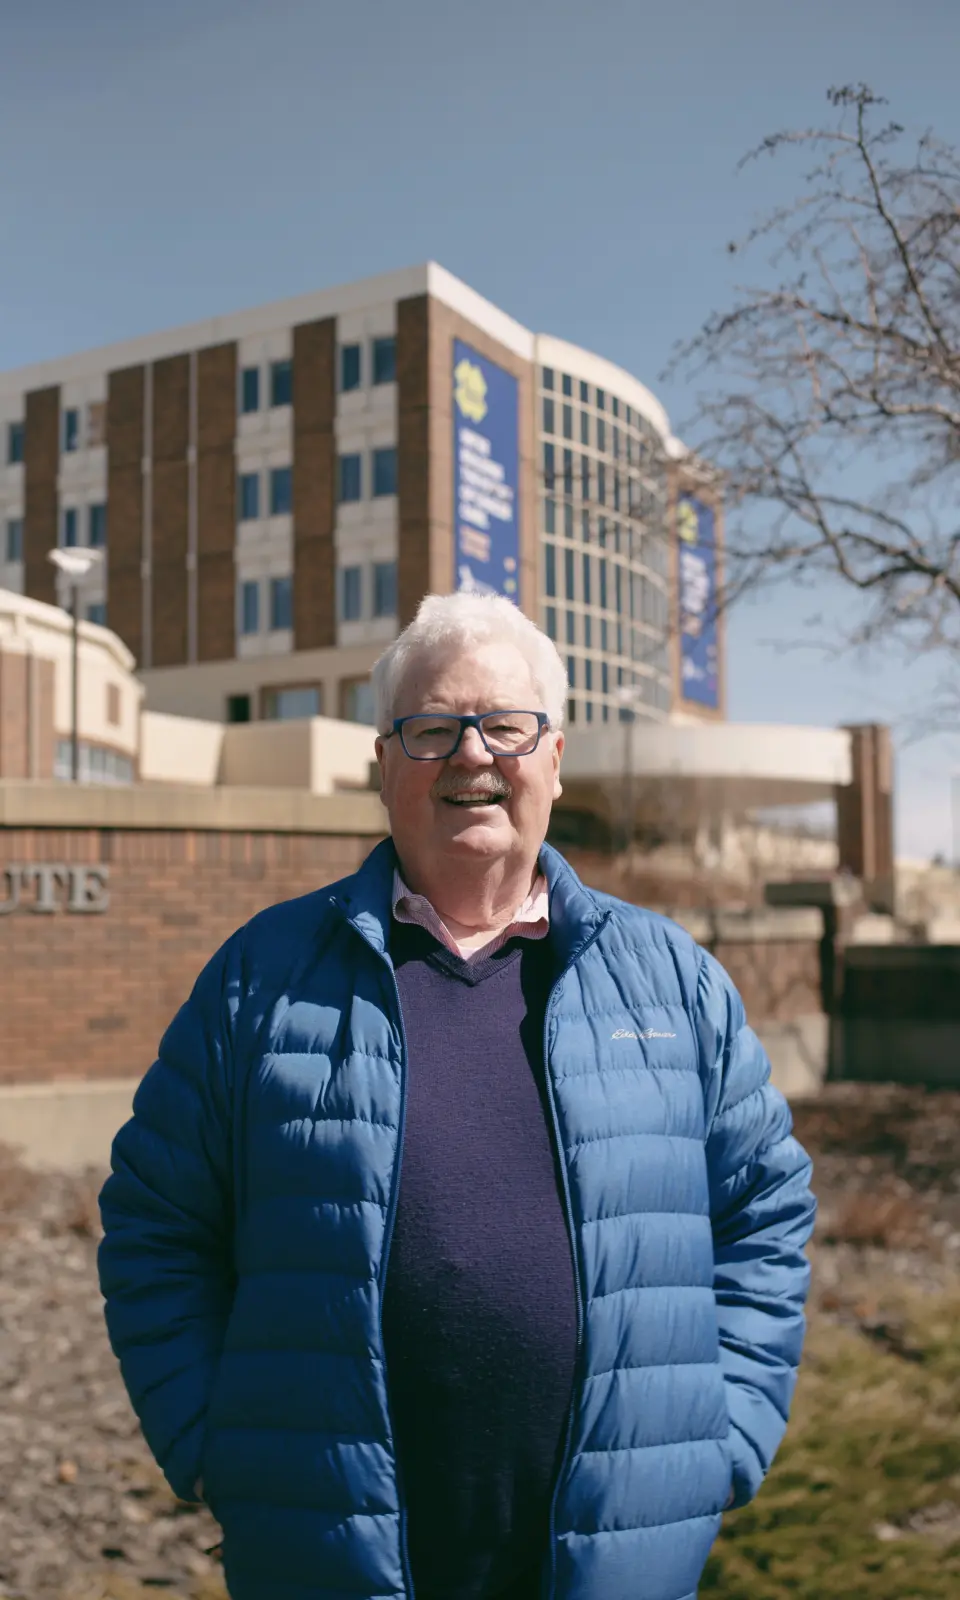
(474, 720)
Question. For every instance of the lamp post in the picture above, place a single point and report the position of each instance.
(76, 565)
(629, 697)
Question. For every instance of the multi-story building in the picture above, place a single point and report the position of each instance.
(274, 491)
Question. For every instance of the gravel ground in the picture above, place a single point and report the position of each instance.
(84, 1513)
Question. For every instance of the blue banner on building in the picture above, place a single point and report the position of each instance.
(486, 470)
(697, 601)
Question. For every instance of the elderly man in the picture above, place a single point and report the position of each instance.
(455, 1246)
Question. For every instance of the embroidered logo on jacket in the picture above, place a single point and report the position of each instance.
(648, 1033)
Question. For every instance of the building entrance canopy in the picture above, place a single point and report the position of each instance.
(689, 773)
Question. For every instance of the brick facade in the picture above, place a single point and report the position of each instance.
(41, 457)
(88, 996)
(865, 814)
(417, 560)
(26, 715)
(216, 501)
(171, 401)
(314, 485)
(125, 407)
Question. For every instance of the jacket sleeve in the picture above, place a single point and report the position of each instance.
(165, 1261)
(762, 1213)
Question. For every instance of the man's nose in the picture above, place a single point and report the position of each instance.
(472, 751)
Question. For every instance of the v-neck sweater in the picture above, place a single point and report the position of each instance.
(479, 1312)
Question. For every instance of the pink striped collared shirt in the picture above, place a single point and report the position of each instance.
(532, 920)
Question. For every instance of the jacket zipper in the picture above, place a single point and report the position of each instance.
(571, 1228)
(384, 1261)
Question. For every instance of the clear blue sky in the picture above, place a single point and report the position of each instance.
(576, 163)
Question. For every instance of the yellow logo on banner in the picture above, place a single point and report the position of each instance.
(470, 390)
(688, 527)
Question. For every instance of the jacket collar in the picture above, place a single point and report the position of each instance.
(365, 900)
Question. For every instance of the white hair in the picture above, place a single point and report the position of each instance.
(458, 622)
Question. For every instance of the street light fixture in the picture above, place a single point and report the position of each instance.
(76, 565)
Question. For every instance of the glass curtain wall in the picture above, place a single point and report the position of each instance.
(605, 575)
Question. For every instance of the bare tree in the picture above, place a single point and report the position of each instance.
(833, 399)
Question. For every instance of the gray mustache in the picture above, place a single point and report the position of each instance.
(489, 786)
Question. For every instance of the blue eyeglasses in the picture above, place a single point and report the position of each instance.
(503, 733)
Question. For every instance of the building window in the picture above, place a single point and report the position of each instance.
(350, 368)
(572, 671)
(71, 430)
(550, 570)
(238, 708)
(601, 400)
(587, 632)
(289, 705)
(14, 443)
(385, 471)
(385, 588)
(249, 496)
(550, 622)
(356, 701)
(549, 419)
(547, 377)
(14, 539)
(113, 704)
(281, 491)
(550, 516)
(385, 360)
(97, 765)
(570, 619)
(281, 383)
(585, 427)
(249, 607)
(568, 473)
(566, 383)
(615, 406)
(281, 603)
(351, 479)
(587, 563)
(567, 520)
(69, 531)
(584, 393)
(568, 422)
(568, 573)
(585, 477)
(250, 390)
(549, 465)
(97, 526)
(351, 594)
(97, 612)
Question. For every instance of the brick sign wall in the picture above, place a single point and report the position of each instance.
(111, 928)
(104, 930)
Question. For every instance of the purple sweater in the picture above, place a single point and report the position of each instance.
(479, 1313)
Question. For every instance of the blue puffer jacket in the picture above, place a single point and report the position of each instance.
(248, 1219)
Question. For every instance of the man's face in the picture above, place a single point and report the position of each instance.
(472, 805)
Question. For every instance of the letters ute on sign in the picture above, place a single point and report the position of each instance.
(55, 887)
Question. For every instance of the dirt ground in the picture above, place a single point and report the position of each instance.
(84, 1514)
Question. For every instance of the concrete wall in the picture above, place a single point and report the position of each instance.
(180, 749)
